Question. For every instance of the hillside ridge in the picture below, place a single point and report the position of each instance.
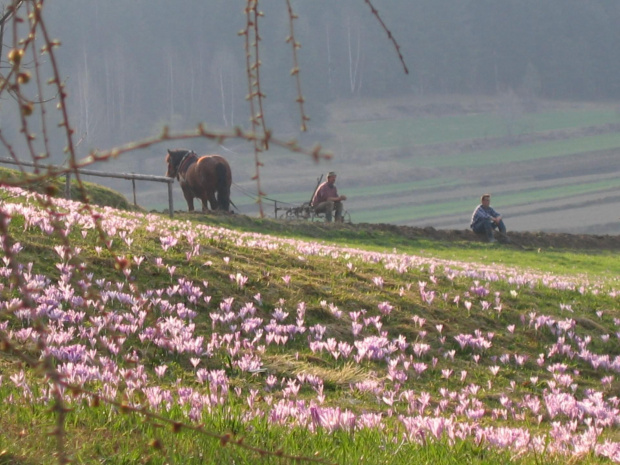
(319, 229)
(525, 239)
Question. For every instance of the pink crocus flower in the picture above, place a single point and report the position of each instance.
(167, 242)
(385, 308)
(161, 370)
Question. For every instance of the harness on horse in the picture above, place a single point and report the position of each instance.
(190, 157)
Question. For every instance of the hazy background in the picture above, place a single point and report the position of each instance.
(132, 67)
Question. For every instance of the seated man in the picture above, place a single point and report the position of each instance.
(484, 220)
(326, 199)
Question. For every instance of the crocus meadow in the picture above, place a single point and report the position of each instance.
(217, 337)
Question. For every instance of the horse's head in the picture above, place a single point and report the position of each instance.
(174, 159)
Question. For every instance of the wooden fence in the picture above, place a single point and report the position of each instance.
(129, 176)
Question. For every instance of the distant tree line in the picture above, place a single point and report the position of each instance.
(132, 67)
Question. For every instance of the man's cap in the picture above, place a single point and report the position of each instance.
(331, 173)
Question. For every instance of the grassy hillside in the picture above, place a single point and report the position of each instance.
(131, 338)
(95, 193)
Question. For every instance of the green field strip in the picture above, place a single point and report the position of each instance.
(503, 201)
(539, 151)
(408, 212)
(386, 134)
(376, 190)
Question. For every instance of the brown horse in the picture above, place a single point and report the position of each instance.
(201, 177)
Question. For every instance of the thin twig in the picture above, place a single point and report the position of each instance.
(389, 34)
(295, 71)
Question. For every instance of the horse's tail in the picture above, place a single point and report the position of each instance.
(223, 188)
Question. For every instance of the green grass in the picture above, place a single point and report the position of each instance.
(431, 210)
(373, 191)
(434, 209)
(107, 434)
(385, 134)
(599, 265)
(95, 193)
(525, 153)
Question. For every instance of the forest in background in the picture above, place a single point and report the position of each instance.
(133, 67)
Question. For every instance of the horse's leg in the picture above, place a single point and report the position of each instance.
(205, 204)
(190, 203)
(212, 199)
(223, 186)
(204, 198)
(189, 198)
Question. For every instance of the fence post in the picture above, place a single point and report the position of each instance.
(170, 206)
(133, 183)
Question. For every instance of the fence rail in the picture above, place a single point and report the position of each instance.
(129, 176)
